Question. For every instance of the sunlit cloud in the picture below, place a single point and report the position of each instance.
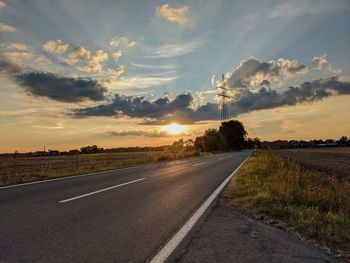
(18, 112)
(176, 15)
(150, 66)
(17, 46)
(172, 50)
(121, 41)
(93, 61)
(58, 126)
(117, 54)
(320, 61)
(253, 72)
(57, 46)
(26, 58)
(119, 70)
(139, 82)
(140, 133)
(6, 28)
(2, 5)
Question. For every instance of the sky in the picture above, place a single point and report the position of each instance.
(116, 73)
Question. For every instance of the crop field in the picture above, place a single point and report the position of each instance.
(334, 161)
(26, 169)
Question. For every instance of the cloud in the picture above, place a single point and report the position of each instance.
(121, 41)
(149, 66)
(6, 28)
(117, 54)
(267, 98)
(55, 46)
(2, 5)
(59, 88)
(119, 70)
(17, 46)
(23, 56)
(252, 72)
(290, 68)
(159, 111)
(164, 110)
(319, 61)
(93, 61)
(78, 53)
(172, 50)
(136, 133)
(8, 68)
(138, 82)
(179, 15)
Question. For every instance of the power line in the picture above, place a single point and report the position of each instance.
(224, 115)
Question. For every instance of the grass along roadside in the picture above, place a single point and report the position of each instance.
(29, 169)
(315, 204)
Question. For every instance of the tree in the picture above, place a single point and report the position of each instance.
(257, 142)
(91, 149)
(211, 140)
(344, 141)
(198, 143)
(189, 144)
(234, 133)
(177, 146)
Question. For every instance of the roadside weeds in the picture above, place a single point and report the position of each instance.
(311, 204)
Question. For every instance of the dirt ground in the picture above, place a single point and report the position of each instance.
(230, 235)
(334, 161)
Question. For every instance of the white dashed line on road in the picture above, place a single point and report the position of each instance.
(199, 163)
(99, 191)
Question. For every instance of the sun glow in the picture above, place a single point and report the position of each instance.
(174, 128)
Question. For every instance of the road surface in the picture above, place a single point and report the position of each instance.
(124, 215)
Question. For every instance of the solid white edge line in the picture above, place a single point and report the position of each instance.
(172, 244)
(99, 191)
(199, 163)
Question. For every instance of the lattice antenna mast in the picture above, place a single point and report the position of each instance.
(223, 94)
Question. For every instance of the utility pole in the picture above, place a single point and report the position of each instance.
(222, 92)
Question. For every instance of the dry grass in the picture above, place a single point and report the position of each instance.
(315, 204)
(27, 169)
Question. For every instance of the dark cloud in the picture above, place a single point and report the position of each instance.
(8, 68)
(253, 70)
(140, 133)
(294, 69)
(165, 110)
(266, 98)
(60, 88)
(159, 111)
(248, 69)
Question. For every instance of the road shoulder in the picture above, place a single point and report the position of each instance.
(230, 235)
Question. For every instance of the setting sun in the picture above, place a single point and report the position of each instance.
(174, 128)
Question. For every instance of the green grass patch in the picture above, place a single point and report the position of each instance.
(316, 204)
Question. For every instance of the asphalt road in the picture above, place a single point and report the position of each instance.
(124, 215)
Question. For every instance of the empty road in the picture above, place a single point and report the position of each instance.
(124, 215)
